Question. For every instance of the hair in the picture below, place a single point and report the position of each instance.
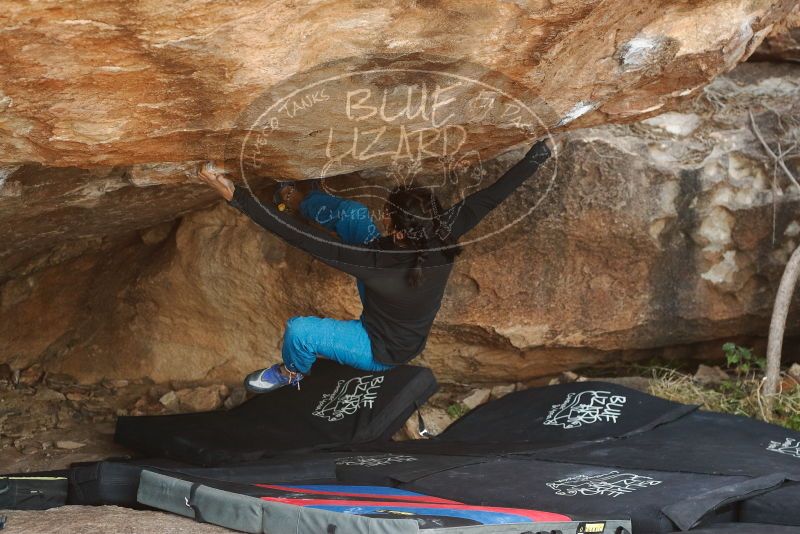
(417, 212)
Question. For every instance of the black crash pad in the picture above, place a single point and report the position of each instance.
(605, 452)
(582, 491)
(745, 528)
(700, 442)
(32, 492)
(115, 482)
(781, 506)
(564, 414)
(552, 417)
(335, 406)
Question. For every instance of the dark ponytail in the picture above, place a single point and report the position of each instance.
(414, 276)
(416, 212)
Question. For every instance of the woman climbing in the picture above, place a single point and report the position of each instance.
(401, 275)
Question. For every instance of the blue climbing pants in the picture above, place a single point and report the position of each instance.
(345, 342)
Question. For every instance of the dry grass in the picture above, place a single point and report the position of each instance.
(740, 396)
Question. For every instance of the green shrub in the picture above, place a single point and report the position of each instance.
(457, 410)
(742, 360)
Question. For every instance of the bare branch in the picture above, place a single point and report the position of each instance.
(768, 150)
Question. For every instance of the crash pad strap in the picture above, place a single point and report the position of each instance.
(192, 503)
(423, 429)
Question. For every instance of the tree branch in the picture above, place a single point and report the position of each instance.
(777, 326)
(768, 150)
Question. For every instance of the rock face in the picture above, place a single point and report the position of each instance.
(103, 118)
(51, 214)
(638, 239)
(660, 235)
(783, 43)
(99, 83)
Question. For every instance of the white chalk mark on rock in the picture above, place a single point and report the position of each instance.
(5, 172)
(680, 124)
(578, 110)
(723, 271)
(85, 22)
(638, 52)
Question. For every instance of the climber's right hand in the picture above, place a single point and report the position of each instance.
(539, 152)
(213, 177)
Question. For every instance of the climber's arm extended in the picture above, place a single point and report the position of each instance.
(358, 261)
(476, 206)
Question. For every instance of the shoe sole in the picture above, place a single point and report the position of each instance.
(255, 389)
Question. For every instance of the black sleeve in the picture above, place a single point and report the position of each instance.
(358, 261)
(469, 212)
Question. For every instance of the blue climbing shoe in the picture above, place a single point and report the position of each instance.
(270, 379)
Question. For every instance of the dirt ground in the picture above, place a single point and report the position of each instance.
(50, 425)
(102, 520)
(51, 422)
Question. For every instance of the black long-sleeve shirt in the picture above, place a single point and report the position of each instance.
(397, 317)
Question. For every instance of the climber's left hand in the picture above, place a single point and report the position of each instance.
(213, 175)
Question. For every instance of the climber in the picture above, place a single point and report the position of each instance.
(400, 275)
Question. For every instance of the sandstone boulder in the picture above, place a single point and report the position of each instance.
(93, 83)
(665, 237)
(476, 398)
(783, 42)
(31, 375)
(501, 390)
(103, 119)
(794, 370)
(69, 445)
(237, 396)
(710, 376)
(198, 399)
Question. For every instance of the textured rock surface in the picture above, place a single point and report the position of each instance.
(67, 211)
(55, 422)
(657, 238)
(103, 83)
(105, 109)
(104, 520)
(783, 43)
